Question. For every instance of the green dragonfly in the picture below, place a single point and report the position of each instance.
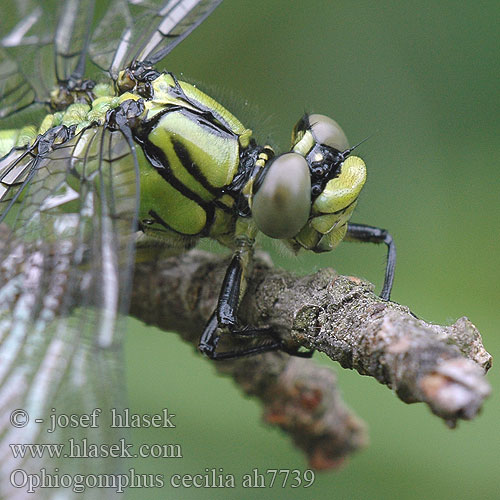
(122, 164)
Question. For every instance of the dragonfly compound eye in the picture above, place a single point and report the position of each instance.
(282, 204)
(321, 141)
(328, 132)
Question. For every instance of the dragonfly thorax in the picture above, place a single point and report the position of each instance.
(192, 148)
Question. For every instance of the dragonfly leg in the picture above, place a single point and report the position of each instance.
(210, 338)
(364, 233)
(224, 318)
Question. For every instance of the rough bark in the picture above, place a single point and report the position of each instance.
(442, 366)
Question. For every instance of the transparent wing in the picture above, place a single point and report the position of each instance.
(66, 252)
(43, 44)
(147, 30)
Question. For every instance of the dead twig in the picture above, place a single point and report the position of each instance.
(443, 366)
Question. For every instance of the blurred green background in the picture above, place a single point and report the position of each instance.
(422, 77)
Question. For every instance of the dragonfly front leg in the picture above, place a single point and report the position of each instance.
(364, 233)
(224, 319)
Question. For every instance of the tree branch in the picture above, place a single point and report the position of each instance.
(443, 366)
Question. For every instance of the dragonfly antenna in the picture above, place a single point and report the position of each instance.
(347, 152)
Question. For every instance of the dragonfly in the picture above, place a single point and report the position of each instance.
(125, 162)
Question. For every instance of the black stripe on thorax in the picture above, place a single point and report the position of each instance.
(209, 113)
(193, 168)
(160, 162)
(159, 220)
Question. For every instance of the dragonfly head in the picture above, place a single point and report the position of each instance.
(306, 196)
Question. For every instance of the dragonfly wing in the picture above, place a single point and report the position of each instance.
(45, 45)
(144, 30)
(66, 254)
